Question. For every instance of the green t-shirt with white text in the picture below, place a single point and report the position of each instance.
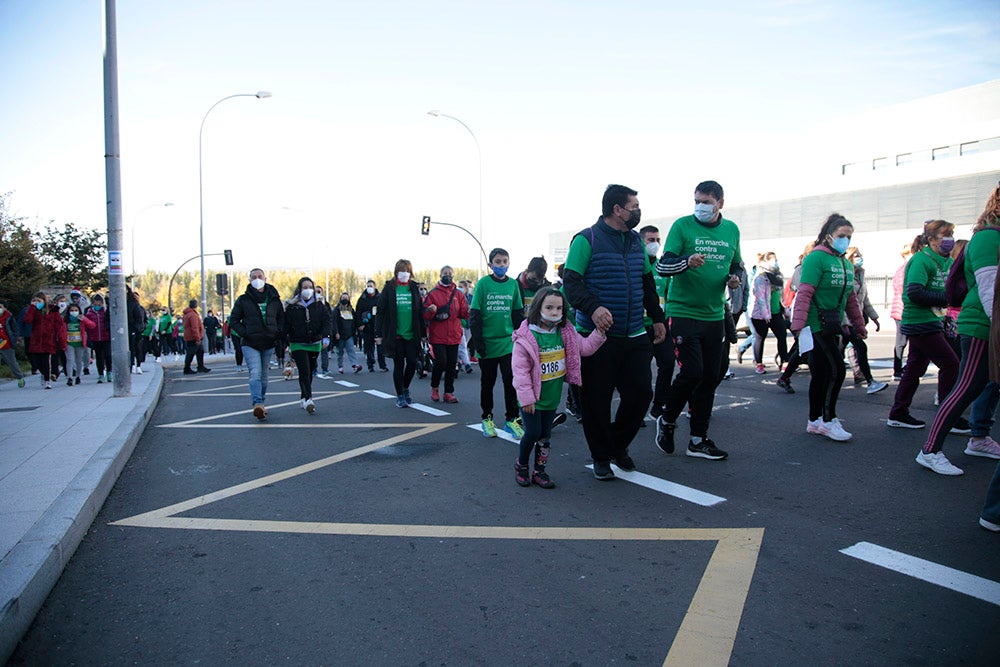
(495, 301)
(700, 293)
(828, 274)
(927, 269)
(404, 312)
(974, 320)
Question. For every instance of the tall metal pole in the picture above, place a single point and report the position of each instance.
(121, 363)
(479, 153)
(201, 209)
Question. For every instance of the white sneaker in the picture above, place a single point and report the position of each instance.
(837, 431)
(131, 370)
(138, 370)
(876, 386)
(302, 403)
(815, 427)
(158, 360)
(310, 406)
(989, 525)
(987, 447)
(938, 462)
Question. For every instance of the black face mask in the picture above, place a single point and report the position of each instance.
(345, 301)
(633, 219)
(532, 284)
(445, 280)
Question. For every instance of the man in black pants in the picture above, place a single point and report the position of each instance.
(663, 352)
(702, 254)
(609, 281)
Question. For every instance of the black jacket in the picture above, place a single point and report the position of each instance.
(307, 324)
(136, 316)
(211, 323)
(385, 318)
(341, 325)
(246, 321)
(363, 309)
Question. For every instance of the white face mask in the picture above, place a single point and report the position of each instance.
(403, 276)
(704, 212)
(370, 290)
(652, 248)
(550, 319)
(257, 283)
(307, 294)
(62, 306)
(2, 311)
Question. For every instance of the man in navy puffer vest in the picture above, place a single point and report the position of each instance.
(609, 281)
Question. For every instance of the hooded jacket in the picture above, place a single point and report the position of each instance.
(344, 320)
(526, 359)
(307, 324)
(247, 322)
(8, 330)
(447, 331)
(385, 317)
(363, 309)
(102, 318)
(48, 330)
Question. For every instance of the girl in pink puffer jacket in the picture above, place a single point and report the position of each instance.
(547, 351)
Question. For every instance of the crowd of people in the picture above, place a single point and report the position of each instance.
(623, 300)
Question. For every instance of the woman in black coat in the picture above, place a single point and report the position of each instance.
(307, 328)
(399, 326)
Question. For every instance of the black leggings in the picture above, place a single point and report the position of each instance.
(48, 364)
(826, 366)
(102, 354)
(445, 361)
(404, 363)
(305, 361)
(860, 355)
(238, 351)
(488, 379)
(777, 325)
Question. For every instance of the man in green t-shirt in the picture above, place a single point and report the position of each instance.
(495, 312)
(702, 255)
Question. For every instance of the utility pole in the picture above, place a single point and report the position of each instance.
(120, 358)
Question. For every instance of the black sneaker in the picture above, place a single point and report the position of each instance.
(188, 371)
(602, 470)
(786, 385)
(905, 421)
(665, 435)
(706, 449)
(656, 410)
(560, 418)
(961, 427)
(625, 462)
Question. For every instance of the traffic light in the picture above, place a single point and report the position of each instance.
(221, 284)
(229, 257)
(425, 225)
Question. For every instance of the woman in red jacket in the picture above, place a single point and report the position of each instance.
(48, 336)
(444, 309)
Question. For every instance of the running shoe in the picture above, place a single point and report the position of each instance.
(905, 421)
(706, 449)
(514, 428)
(987, 448)
(489, 428)
(875, 386)
(938, 462)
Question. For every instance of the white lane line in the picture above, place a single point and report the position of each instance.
(956, 580)
(429, 410)
(500, 433)
(378, 394)
(345, 383)
(669, 488)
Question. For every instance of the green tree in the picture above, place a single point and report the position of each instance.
(74, 256)
(22, 272)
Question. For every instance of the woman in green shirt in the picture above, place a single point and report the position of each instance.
(924, 306)
(399, 326)
(825, 294)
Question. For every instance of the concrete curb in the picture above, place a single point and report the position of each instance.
(32, 568)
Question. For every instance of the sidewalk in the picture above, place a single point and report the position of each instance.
(61, 452)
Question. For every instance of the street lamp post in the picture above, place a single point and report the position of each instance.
(260, 95)
(141, 211)
(479, 153)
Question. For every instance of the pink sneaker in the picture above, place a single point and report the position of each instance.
(987, 448)
(435, 394)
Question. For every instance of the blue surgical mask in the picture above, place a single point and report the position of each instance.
(39, 305)
(704, 212)
(841, 244)
(98, 306)
(499, 271)
(859, 262)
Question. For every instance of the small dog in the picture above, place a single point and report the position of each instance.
(289, 371)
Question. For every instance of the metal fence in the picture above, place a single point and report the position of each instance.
(880, 293)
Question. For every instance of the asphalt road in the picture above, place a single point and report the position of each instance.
(371, 535)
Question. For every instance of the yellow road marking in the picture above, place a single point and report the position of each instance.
(706, 635)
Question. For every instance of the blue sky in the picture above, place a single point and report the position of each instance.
(338, 167)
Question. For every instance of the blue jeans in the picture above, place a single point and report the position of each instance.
(983, 409)
(257, 365)
(346, 344)
(537, 428)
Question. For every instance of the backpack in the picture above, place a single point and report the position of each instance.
(956, 288)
